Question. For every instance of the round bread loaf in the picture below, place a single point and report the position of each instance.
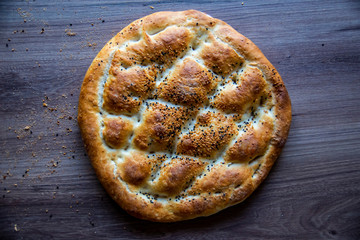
(182, 116)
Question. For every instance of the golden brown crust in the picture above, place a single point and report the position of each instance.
(252, 143)
(135, 169)
(220, 58)
(125, 84)
(220, 178)
(188, 85)
(161, 124)
(182, 116)
(175, 176)
(211, 133)
(234, 98)
(116, 132)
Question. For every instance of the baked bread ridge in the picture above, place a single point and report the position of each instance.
(124, 175)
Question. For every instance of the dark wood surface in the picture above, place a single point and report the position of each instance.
(48, 188)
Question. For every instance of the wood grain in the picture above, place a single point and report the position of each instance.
(49, 189)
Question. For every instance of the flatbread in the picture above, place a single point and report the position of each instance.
(182, 116)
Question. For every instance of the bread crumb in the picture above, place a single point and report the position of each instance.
(70, 33)
(27, 128)
(44, 105)
(151, 7)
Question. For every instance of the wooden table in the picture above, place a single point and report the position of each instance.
(48, 188)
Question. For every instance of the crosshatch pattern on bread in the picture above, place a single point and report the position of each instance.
(182, 116)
